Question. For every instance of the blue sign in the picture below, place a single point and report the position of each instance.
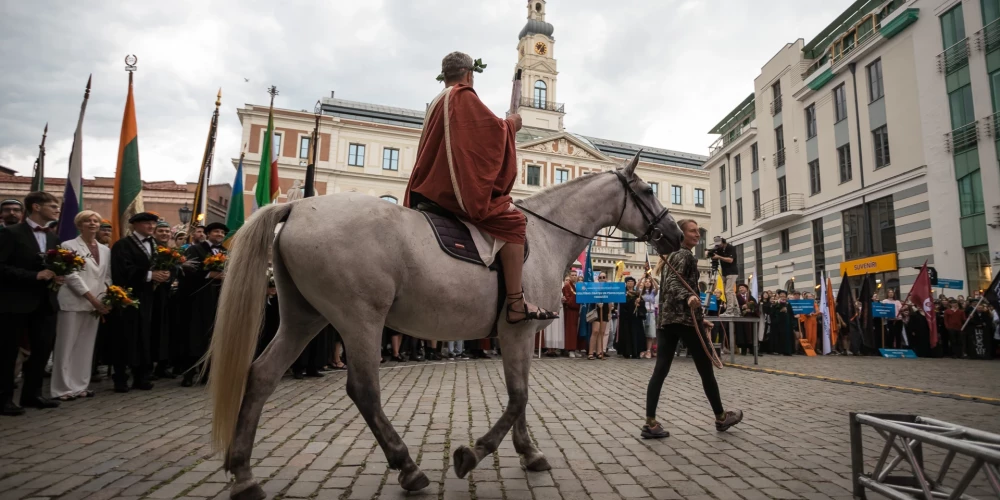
(880, 310)
(954, 284)
(897, 353)
(612, 292)
(803, 306)
(713, 302)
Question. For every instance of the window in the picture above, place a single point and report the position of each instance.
(725, 222)
(753, 152)
(844, 161)
(960, 103)
(561, 175)
(783, 193)
(737, 166)
(540, 94)
(390, 199)
(356, 155)
(722, 177)
(390, 159)
(628, 246)
(875, 90)
(699, 249)
(779, 145)
(814, 185)
(776, 94)
(854, 239)
(756, 203)
(277, 144)
(785, 242)
(675, 195)
(811, 121)
(953, 26)
(970, 194)
(882, 220)
(880, 139)
(977, 267)
(699, 197)
(739, 211)
(740, 264)
(819, 252)
(839, 103)
(655, 186)
(534, 175)
(991, 11)
(304, 147)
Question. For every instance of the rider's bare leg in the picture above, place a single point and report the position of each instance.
(512, 257)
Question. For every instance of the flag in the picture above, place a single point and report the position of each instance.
(620, 270)
(205, 174)
(73, 193)
(831, 303)
(38, 177)
(754, 292)
(992, 294)
(922, 296)
(588, 266)
(588, 275)
(865, 314)
(267, 175)
(127, 200)
(647, 269)
(824, 308)
(719, 285)
(234, 217)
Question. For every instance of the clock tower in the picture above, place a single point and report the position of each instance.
(536, 60)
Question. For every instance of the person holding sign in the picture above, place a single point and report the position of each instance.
(782, 336)
(681, 317)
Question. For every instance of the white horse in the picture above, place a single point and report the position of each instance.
(359, 263)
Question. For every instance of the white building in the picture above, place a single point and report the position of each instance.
(369, 148)
(871, 147)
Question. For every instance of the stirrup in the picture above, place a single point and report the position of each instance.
(540, 314)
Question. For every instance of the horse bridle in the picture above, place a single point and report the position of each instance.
(649, 216)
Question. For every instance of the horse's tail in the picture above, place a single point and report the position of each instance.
(238, 320)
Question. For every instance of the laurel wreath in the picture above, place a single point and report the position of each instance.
(477, 66)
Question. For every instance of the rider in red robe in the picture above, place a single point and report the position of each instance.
(467, 164)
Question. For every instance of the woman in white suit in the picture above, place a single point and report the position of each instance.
(76, 326)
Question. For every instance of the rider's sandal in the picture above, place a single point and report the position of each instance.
(540, 314)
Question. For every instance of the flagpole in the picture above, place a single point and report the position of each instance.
(310, 188)
(205, 174)
(38, 180)
(967, 320)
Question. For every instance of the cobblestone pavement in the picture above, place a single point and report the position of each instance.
(584, 415)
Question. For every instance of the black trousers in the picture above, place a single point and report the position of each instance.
(40, 326)
(313, 357)
(667, 339)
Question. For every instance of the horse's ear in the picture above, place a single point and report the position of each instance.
(630, 167)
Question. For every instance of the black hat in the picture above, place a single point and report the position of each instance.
(12, 202)
(143, 217)
(216, 225)
(629, 278)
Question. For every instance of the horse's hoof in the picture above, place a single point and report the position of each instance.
(251, 492)
(537, 464)
(465, 460)
(414, 480)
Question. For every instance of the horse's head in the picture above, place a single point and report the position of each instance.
(644, 214)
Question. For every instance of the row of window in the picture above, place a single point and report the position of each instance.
(356, 157)
(534, 178)
(738, 166)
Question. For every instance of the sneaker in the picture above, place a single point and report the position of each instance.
(655, 432)
(463, 356)
(730, 418)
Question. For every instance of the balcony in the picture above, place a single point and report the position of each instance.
(776, 106)
(779, 210)
(731, 137)
(779, 158)
(530, 102)
(991, 125)
(962, 138)
(608, 251)
(988, 38)
(953, 57)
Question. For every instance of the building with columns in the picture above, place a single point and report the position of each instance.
(871, 148)
(370, 148)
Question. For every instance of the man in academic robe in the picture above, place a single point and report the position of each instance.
(160, 341)
(782, 335)
(102, 351)
(467, 164)
(27, 304)
(200, 291)
(131, 343)
(748, 308)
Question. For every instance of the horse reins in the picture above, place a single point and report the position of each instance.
(712, 356)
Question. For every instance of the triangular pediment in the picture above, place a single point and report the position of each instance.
(541, 66)
(566, 144)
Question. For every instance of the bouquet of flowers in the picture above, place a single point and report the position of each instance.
(62, 262)
(215, 263)
(166, 259)
(116, 297)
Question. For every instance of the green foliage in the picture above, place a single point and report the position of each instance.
(477, 66)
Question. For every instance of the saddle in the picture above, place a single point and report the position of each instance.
(456, 240)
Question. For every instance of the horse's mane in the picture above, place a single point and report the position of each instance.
(556, 190)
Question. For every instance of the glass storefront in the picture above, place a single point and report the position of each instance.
(977, 267)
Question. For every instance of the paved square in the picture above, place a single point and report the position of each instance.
(584, 415)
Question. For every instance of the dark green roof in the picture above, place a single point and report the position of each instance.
(846, 20)
(745, 109)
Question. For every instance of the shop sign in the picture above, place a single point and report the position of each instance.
(870, 265)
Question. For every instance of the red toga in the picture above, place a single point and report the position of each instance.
(467, 164)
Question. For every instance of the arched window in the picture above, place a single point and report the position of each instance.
(540, 90)
(390, 199)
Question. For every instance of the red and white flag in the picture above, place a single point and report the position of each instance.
(922, 296)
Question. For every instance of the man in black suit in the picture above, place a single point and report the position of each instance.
(26, 303)
(11, 212)
(200, 292)
(131, 335)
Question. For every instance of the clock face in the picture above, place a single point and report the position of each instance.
(540, 48)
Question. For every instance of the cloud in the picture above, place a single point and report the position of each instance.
(656, 73)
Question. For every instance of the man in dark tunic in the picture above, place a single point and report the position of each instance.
(782, 337)
(748, 308)
(132, 333)
(160, 343)
(200, 290)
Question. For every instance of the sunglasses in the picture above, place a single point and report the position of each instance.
(602, 277)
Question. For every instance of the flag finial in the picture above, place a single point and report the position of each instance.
(218, 98)
(86, 92)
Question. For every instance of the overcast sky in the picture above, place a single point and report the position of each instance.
(658, 73)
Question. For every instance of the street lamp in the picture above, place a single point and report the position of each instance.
(184, 213)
